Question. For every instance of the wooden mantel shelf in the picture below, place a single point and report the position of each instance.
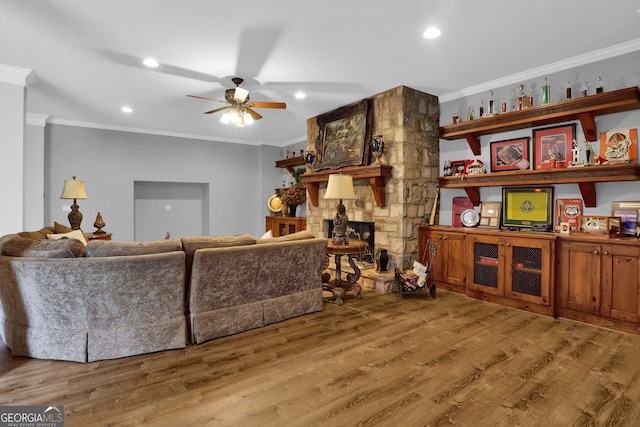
(376, 174)
(584, 109)
(586, 178)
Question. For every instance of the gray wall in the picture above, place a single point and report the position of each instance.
(618, 72)
(240, 177)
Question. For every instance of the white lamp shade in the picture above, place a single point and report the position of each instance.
(340, 187)
(73, 190)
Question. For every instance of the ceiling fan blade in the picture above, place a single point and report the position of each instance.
(208, 99)
(216, 110)
(254, 115)
(268, 104)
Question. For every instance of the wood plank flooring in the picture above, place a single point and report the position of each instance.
(379, 361)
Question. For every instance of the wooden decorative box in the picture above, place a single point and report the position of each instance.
(605, 226)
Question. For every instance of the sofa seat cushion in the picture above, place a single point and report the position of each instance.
(106, 248)
(300, 235)
(36, 248)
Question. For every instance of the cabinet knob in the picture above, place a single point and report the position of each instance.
(508, 244)
(595, 252)
(606, 252)
(440, 237)
(444, 238)
(500, 244)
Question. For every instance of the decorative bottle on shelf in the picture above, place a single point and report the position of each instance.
(504, 104)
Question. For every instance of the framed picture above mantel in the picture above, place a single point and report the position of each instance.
(343, 137)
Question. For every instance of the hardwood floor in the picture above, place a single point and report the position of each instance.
(377, 361)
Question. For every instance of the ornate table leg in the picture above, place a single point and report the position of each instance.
(352, 278)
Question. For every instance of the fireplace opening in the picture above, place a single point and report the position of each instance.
(361, 231)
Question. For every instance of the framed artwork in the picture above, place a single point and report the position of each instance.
(552, 146)
(343, 136)
(628, 213)
(567, 211)
(509, 155)
(490, 214)
(527, 207)
(460, 204)
(619, 146)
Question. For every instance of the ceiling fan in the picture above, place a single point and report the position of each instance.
(240, 109)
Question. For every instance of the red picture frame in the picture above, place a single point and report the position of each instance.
(552, 146)
(510, 154)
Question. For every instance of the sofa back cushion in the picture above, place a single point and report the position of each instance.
(37, 248)
(74, 234)
(300, 235)
(106, 248)
(191, 244)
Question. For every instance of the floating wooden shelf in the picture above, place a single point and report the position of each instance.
(584, 109)
(376, 174)
(290, 163)
(586, 178)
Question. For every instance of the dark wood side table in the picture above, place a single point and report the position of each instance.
(98, 236)
(338, 286)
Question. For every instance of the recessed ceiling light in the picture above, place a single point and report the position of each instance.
(126, 109)
(431, 33)
(151, 63)
(300, 95)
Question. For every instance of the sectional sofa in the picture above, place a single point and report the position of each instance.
(64, 300)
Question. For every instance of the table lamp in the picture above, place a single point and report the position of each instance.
(74, 190)
(340, 187)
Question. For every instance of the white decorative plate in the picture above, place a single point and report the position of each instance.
(469, 218)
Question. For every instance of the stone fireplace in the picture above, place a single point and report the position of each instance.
(408, 121)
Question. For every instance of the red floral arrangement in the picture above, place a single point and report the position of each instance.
(293, 195)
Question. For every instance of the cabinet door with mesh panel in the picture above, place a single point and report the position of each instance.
(529, 269)
(486, 256)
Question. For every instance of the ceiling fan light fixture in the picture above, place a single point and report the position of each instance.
(248, 119)
(226, 118)
(240, 94)
(240, 120)
(151, 63)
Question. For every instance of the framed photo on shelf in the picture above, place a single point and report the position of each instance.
(510, 155)
(528, 207)
(619, 146)
(568, 211)
(552, 146)
(628, 213)
(490, 214)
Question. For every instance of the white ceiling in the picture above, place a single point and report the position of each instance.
(86, 54)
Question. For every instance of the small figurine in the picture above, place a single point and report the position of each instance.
(568, 89)
(584, 88)
(600, 87)
(546, 92)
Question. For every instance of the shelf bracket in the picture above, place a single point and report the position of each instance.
(474, 194)
(313, 188)
(474, 143)
(588, 123)
(588, 190)
(377, 186)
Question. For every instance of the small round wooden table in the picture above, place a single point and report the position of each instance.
(339, 286)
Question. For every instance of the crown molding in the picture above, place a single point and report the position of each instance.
(16, 75)
(34, 119)
(565, 64)
(75, 123)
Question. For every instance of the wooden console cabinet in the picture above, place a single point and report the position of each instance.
(281, 226)
(516, 270)
(590, 279)
(449, 267)
(599, 281)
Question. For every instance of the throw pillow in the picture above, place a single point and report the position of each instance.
(267, 235)
(300, 235)
(75, 234)
(59, 228)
